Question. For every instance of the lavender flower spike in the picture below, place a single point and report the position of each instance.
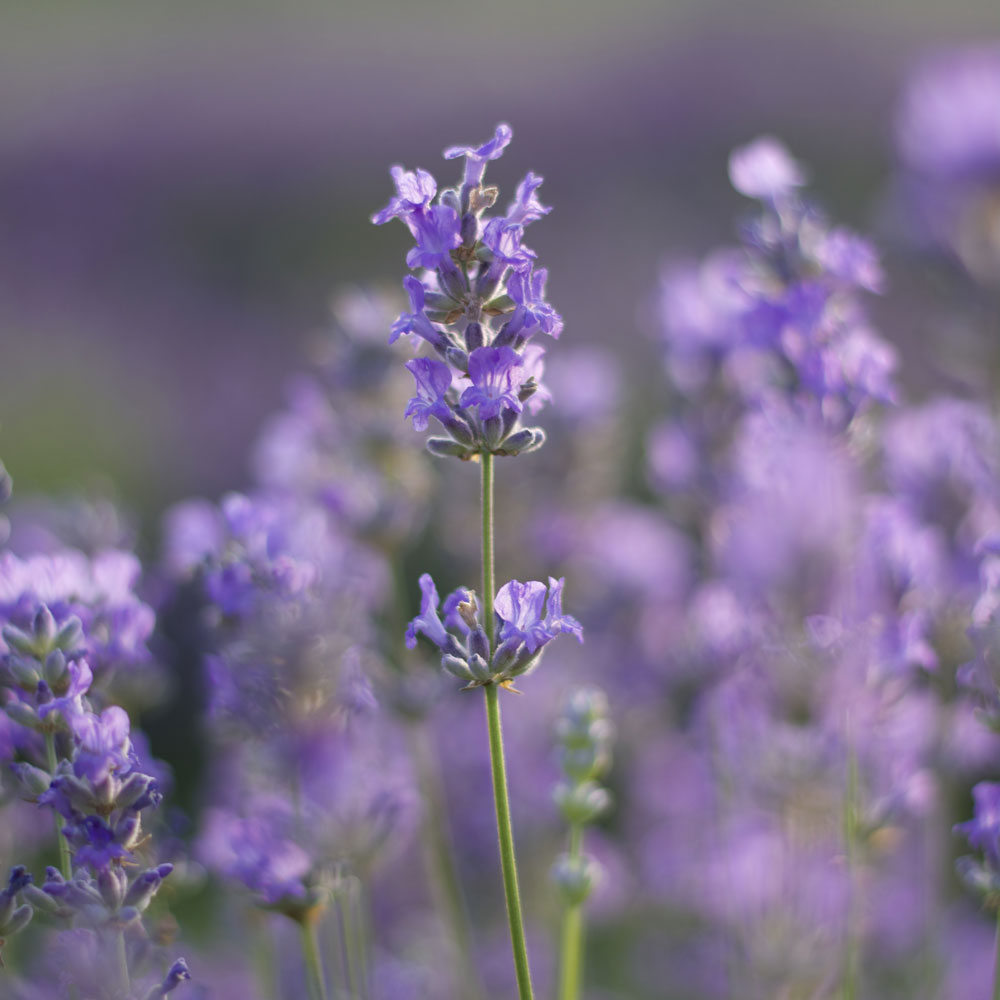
(477, 157)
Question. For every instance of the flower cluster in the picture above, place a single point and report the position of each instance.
(528, 617)
(779, 320)
(478, 300)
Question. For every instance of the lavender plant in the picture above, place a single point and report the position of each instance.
(478, 302)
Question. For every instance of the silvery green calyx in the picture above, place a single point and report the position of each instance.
(528, 616)
(478, 301)
(14, 917)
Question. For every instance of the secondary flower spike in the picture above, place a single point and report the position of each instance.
(528, 617)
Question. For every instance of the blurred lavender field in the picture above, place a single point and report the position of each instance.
(770, 480)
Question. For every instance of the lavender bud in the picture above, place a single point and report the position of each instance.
(457, 358)
(24, 674)
(128, 829)
(112, 884)
(509, 419)
(478, 643)
(456, 667)
(470, 228)
(23, 715)
(144, 888)
(506, 654)
(18, 921)
(451, 281)
(133, 788)
(575, 878)
(56, 671)
(459, 429)
(487, 284)
(516, 443)
(33, 780)
(480, 668)
(178, 974)
(41, 900)
(473, 337)
(581, 804)
(18, 640)
(70, 635)
(492, 432)
(446, 448)
(45, 629)
(505, 337)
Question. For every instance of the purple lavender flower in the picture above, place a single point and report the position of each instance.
(526, 207)
(503, 238)
(497, 374)
(476, 157)
(414, 192)
(948, 142)
(983, 830)
(103, 746)
(532, 313)
(433, 380)
(764, 169)
(428, 623)
(258, 850)
(519, 606)
(416, 321)
(434, 227)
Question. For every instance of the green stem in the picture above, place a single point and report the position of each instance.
(505, 833)
(65, 864)
(263, 959)
(314, 964)
(571, 958)
(125, 981)
(489, 584)
(851, 959)
(350, 938)
(996, 966)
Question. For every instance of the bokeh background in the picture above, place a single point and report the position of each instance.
(183, 185)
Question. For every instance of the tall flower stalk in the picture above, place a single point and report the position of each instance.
(477, 303)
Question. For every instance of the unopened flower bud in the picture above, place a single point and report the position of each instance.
(33, 781)
(456, 667)
(44, 627)
(447, 448)
(582, 804)
(473, 336)
(575, 878)
(480, 668)
(56, 671)
(23, 715)
(478, 642)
